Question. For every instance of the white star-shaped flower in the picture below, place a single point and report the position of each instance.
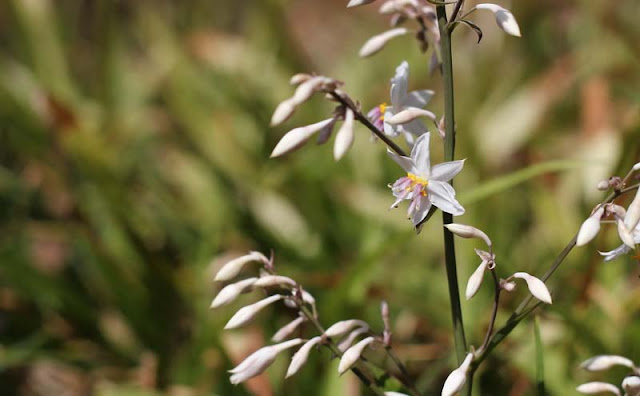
(423, 185)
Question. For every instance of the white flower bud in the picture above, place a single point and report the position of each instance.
(592, 388)
(299, 78)
(475, 280)
(246, 314)
(395, 394)
(410, 114)
(274, 280)
(344, 137)
(296, 137)
(308, 88)
(631, 385)
(301, 356)
(388, 7)
(288, 329)
(259, 361)
(605, 362)
(351, 355)
(343, 327)
(507, 286)
(356, 3)
(636, 167)
(233, 267)
(455, 381)
(625, 234)
(377, 42)
(467, 231)
(633, 212)
(603, 185)
(230, 292)
(283, 112)
(505, 20)
(348, 340)
(308, 298)
(536, 287)
(589, 229)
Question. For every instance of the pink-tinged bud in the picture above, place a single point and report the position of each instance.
(230, 292)
(356, 3)
(344, 137)
(505, 20)
(295, 138)
(246, 314)
(308, 88)
(348, 340)
(593, 388)
(288, 329)
(233, 267)
(351, 355)
(409, 115)
(377, 42)
(475, 280)
(308, 298)
(467, 231)
(605, 362)
(633, 212)
(344, 326)
(299, 78)
(536, 287)
(603, 185)
(283, 112)
(507, 286)
(589, 229)
(259, 361)
(274, 280)
(631, 385)
(455, 381)
(625, 234)
(301, 356)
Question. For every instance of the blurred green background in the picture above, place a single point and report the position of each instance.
(134, 147)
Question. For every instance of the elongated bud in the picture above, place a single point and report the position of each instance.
(455, 381)
(283, 112)
(230, 292)
(343, 327)
(536, 287)
(299, 78)
(589, 229)
(633, 212)
(356, 3)
(308, 88)
(351, 355)
(625, 233)
(395, 394)
(301, 356)
(274, 280)
(233, 267)
(467, 231)
(259, 361)
(631, 385)
(593, 388)
(409, 115)
(475, 280)
(344, 137)
(505, 20)
(346, 343)
(636, 167)
(288, 329)
(605, 362)
(377, 42)
(246, 314)
(295, 138)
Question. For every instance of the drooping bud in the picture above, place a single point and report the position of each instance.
(230, 292)
(467, 231)
(348, 340)
(536, 287)
(296, 137)
(605, 362)
(344, 137)
(288, 329)
(455, 381)
(475, 280)
(395, 394)
(589, 229)
(283, 112)
(308, 88)
(636, 167)
(351, 355)
(246, 314)
(592, 388)
(631, 385)
(299, 78)
(377, 42)
(507, 286)
(356, 3)
(274, 280)
(603, 185)
(505, 20)
(410, 114)
(259, 361)
(233, 267)
(344, 326)
(301, 356)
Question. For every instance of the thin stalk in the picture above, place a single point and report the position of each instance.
(447, 218)
(539, 358)
(494, 312)
(403, 370)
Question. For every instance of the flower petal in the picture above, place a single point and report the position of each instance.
(442, 197)
(405, 162)
(418, 98)
(399, 84)
(421, 157)
(422, 211)
(446, 171)
(615, 253)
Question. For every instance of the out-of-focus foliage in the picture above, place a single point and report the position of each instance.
(134, 147)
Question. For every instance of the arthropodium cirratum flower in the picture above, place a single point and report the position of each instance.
(423, 185)
(259, 361)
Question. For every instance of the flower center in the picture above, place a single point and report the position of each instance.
(382, 107)
(415, 180)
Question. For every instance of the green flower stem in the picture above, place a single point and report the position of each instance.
(449, 148)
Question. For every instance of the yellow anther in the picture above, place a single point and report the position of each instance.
(415, 180)
(382, 107)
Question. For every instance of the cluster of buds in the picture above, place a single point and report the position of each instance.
(341, 337)
(630, 384)
(627, 220)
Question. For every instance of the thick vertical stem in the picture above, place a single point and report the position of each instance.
(449, 148)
